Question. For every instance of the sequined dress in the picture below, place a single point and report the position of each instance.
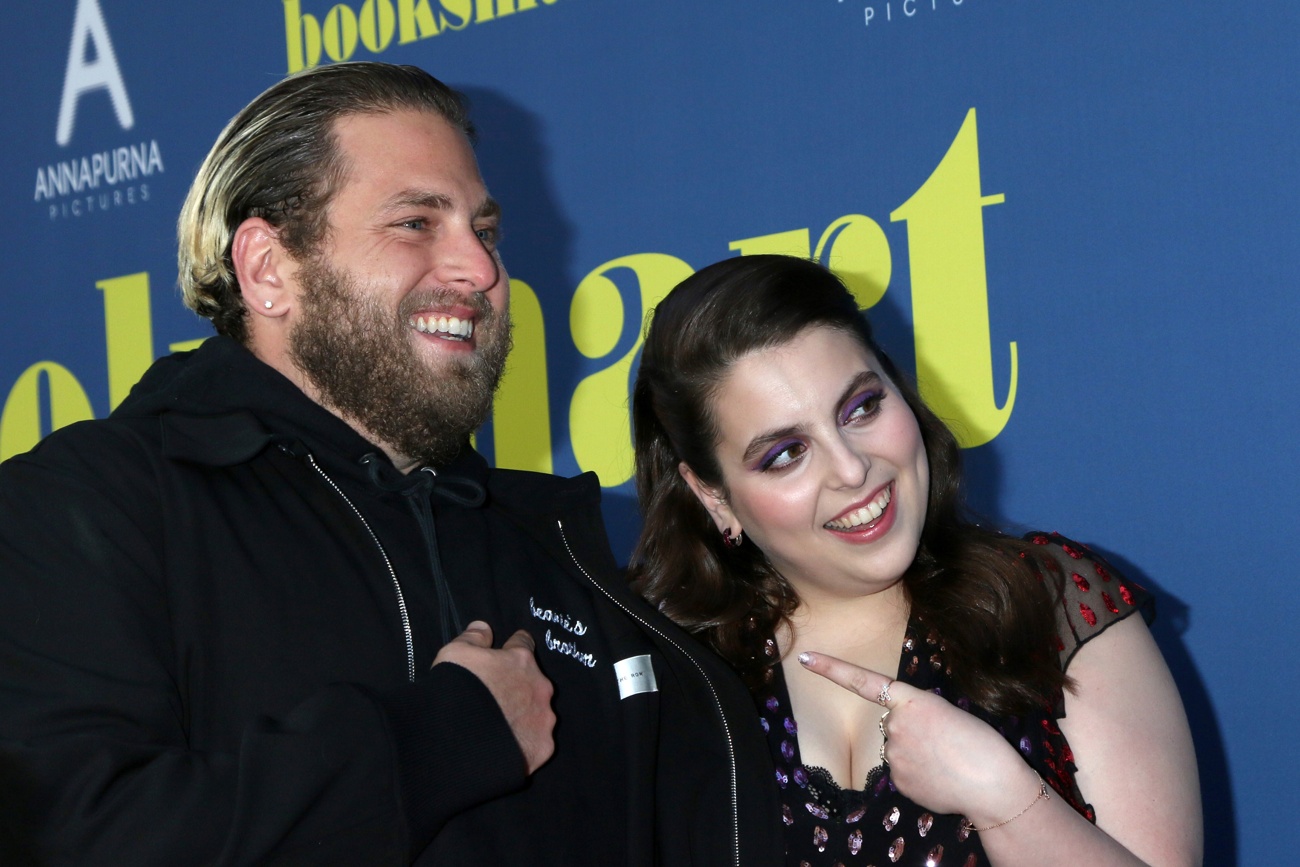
(876, 825)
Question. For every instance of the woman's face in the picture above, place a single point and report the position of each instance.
(822, 463)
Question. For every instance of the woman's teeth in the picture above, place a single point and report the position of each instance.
(865, 515)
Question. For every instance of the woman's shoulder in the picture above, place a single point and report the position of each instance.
(1090, 594)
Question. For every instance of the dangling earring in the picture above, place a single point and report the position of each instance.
(733, 541)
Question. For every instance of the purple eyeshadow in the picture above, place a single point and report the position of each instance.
(861, 400)
(775, 450)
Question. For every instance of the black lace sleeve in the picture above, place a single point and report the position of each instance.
(1092, 595)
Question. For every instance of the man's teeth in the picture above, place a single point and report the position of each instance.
(449, 325)
(865, 515)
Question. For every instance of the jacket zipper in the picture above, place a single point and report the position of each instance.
(397, 587)
(717, 702)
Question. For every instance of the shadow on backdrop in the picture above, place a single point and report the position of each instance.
(537, 242)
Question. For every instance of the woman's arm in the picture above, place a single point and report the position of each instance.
(1126, 727)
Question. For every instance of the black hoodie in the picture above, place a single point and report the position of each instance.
(218, 613)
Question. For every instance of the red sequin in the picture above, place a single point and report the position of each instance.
(1060, 645)
(1080, 581)
(1110, 605)
(1073, 552)
(1088, 615)
(1101, 571)
(1040, 540)
(1126, 594)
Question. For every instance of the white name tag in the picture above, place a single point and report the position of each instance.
(635, 675)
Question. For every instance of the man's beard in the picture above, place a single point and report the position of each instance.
(361, 360)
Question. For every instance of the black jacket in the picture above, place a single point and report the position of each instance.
(218, 611)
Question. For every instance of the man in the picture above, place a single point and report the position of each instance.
(256, 615)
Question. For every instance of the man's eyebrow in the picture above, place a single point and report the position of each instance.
(417, 199)
(412, 198)
(489, 210)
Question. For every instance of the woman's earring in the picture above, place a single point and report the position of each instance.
(268, 304)
(733, 541)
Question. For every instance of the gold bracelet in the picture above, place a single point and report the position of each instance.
(1042, 795)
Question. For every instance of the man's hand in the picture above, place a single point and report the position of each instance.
(518, 685)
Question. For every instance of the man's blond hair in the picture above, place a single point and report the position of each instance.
(278, 159)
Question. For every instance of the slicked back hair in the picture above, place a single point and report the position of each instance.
(278, 159)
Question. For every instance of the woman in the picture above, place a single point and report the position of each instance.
(961, 697)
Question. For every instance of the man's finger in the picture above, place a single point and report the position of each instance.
(476, 633)
(863, 681)
(521, 639)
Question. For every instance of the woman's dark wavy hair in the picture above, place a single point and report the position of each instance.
(971, 585)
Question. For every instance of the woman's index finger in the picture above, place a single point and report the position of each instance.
(866, 683)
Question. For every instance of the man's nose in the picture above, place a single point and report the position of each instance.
(463, 261)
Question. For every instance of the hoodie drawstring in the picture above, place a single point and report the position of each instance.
(419, 491)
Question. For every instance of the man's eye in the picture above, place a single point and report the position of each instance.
(417, 223)
(490, 236)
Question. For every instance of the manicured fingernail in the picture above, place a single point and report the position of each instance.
(805, 659)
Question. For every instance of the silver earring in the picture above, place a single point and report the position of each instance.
(267, 304)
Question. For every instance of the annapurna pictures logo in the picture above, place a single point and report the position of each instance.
(112, 177)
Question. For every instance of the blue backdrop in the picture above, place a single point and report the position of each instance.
(1076, 222)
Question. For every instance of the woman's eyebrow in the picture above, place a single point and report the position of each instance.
(863, 379)
(760, 443)
(763, 440)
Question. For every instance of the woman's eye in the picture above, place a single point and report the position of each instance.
(781, 456)
(863, 406)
